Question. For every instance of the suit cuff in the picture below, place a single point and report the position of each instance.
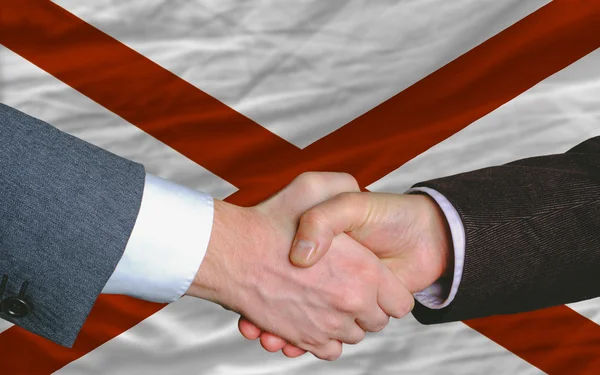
(167, 244)
(441, 293)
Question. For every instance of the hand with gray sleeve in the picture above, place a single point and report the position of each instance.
(77, 221)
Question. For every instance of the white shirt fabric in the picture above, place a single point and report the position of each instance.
(167, 244)
(171, 235)
(439, 295)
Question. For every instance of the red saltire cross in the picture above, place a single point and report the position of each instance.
(557, 340)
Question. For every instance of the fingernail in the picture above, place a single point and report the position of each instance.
(303, 250)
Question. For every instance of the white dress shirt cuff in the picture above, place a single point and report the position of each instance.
(167, 244)
(438, 295)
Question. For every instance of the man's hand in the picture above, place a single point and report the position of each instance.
(408, 232)
(247, 269)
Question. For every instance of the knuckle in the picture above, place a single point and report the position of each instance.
(312, 341)
(349, 182)
(315, 217)
(349, 197)
(329, 354)
(333, 323)
(352, 182)
(353, 302)
(354, 199)
(357, 337)
(358, 205)
(369, 275)
(311, 183)
(305, 176)
(381, 324)
(335, 354)
(321, 184)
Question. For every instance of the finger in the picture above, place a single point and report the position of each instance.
(292, 351)
(248, 329)
(328, 352)
(319, 225)
(377, 320)
(272, 343)
(352, 335)
(393, 297)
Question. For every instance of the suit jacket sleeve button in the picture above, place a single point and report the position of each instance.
(16, 307)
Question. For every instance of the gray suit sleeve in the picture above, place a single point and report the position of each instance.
(67, 209)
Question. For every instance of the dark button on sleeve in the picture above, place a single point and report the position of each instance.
(17, 306)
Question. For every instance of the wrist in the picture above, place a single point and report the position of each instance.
(216, 277)
(441, 235)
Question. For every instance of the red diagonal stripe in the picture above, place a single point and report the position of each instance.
(140, 91)
(31, 28)
(451, 98)
(533, 336)
(463, 91)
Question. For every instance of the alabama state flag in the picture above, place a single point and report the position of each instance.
(235, 98)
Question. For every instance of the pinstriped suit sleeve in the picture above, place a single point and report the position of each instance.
(67, 209)
(532, 234)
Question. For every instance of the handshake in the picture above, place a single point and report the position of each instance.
(355, 260)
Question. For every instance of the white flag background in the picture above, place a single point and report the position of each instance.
(302, 69)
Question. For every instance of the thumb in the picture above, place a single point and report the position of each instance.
(319, 225)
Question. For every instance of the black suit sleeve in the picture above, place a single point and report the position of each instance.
(532, 234)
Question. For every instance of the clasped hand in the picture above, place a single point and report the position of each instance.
(356, 259)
